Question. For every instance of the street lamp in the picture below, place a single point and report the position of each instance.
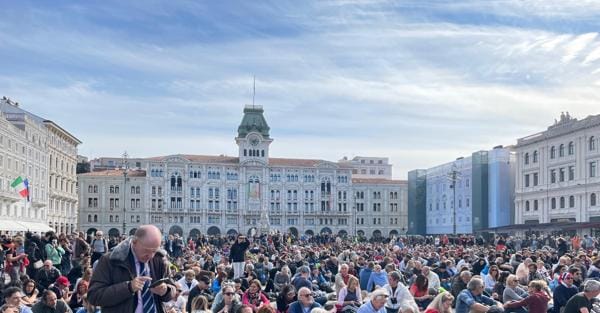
(454, 175)
(125, 169)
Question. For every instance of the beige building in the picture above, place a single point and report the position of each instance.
(557, 176)
(193, 194)
(30, 146)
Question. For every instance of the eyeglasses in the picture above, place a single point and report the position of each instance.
(228, 293)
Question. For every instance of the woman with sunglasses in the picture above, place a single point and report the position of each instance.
(490, 279)
(229, 302)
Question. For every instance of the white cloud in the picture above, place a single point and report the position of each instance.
(360, 79)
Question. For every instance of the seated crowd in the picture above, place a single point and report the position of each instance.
(279, 273)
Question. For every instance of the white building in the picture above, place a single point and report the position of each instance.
(192, 194)
(484, 194)
(369, 167)
(25, 148)
(557, 173)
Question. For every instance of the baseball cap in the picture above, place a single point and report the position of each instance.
(63, 280)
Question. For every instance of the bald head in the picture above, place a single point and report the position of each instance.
(146, 242)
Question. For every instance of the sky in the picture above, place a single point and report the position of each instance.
(420, 82)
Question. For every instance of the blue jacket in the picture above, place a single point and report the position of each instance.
(363, 277)
(379, 279)
(296, 307)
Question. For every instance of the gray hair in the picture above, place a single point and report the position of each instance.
(474, 283)
(395, 275)
(591, 286)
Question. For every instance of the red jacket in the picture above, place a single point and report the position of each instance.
(535, 303)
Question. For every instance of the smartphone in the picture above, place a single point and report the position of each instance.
(160, 281)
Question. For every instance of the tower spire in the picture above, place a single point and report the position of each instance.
(253, 89)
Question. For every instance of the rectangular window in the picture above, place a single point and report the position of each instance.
(535, 179)
(571, 172)
(552, 176)
(593, 169)
(561, 173)
(526, 180)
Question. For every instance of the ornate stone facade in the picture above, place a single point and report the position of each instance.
(192, 194)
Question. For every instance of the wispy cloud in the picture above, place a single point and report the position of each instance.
(421, 82)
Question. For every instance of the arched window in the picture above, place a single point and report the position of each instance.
(527, 205)
(592, 143)
(562, 202)
(89, 218)
(262, 153)
(95, 218)
(137, 190)
(572, 201)
(526, 158)
(561, 150)
(245, 152)
(535, 205)
(553, 203)
(535, 156)
(571, 148)
(593, 199)
(553, 152)
(110, 218)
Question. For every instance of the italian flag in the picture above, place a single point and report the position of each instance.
(22, 187)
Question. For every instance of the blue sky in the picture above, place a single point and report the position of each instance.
(421, 82)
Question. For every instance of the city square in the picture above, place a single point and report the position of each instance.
(296, 157)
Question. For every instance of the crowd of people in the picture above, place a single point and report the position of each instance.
(281, 273)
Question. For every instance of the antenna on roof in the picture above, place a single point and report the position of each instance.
(253, 90)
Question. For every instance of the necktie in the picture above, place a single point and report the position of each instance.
(147, 297)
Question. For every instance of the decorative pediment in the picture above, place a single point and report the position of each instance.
(253, 162)
(327, 164)
(176, 159)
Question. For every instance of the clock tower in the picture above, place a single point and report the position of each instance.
(253, 136)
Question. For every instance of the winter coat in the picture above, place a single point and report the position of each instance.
(109, 286)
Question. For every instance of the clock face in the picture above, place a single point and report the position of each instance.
(254, 140)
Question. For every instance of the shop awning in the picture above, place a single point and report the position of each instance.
(36, 227)
(9, 225)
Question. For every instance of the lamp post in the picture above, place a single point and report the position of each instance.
(454, 176)
(125, 169)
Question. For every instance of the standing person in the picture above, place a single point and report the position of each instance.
(15, 259)
(237, 255)
(582, 302)
(80, 249)
(99, 246)
(121, 280)
(54, 252)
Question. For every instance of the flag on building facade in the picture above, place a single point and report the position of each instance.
(22, 186)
